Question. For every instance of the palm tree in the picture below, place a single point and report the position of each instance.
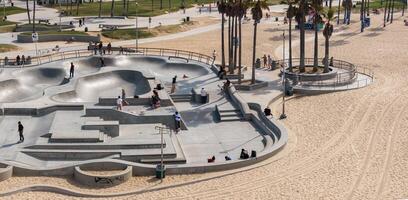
(256, 12)
(124, 8)
(242, 11)
(291, 12)
(112, 8)
(317, 19)
(235, 13)
(392, 11)
(385, 13)
(100, 8)
(221, 9)
(338, 13)
(327, 32)
(362, 16)
(28, 12)
(300, 17)
(34, 2)
(77, 7)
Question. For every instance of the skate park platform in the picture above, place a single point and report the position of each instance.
(74, 121)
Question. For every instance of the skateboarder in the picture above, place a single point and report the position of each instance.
(20, 131)
(71, 70)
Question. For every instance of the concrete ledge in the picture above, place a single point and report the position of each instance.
(110, 128)
(113, 179)
(257, 85)
(6, 171)
(311, 77)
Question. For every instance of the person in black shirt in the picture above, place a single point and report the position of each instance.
(71, 70)
(173, 84)
(20, 131)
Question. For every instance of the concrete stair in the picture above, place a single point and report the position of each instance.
(230, 115)
(181, 97)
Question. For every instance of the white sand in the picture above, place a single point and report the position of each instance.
(346, 145)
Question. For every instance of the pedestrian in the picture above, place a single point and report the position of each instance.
(109, 48)
(119, 103)
(95, 49)
(100, 47)
(203, 95)
(214, 55)
(120, 50)
(177, 119)
(71, 70)
(20, 131)
(23, 59)
(221, 72)
(125, 103)
(102, 61)
(269, 62)
(83, 21)
(80, 22)
(265, 60)
(173, 84)
(18, 60)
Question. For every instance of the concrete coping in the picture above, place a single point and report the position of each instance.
(106, 180)
(6, 171)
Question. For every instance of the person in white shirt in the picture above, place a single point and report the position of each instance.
(177, 118)
(203, 96)
(119, 103)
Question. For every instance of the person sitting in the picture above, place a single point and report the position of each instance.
(211, 160)
(155, 99)
(185, 76)
(227, 84)
(244, 154)
(267, 111)
(227, 158)
(221, 73)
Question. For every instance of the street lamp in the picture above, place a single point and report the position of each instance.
(60, 15)
(137, 32)
(161, 130)
(283, 115)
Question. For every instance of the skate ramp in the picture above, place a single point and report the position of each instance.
(107, 84)
(91, 64)
(29, 84)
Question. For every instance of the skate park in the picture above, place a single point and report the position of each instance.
(72, 124)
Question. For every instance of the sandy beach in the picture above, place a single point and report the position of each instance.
(345, 145)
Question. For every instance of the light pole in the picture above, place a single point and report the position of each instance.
(161, 129)
(4, 10)
(283, 115)
(137, 32)
(60, 15)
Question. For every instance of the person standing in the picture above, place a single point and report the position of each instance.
(71, 70)
(20, 131)
(265, 60)
(177, 119)
(119, 103)
(173, 84)
(124, 102)
(18, 60)
(203, 95)
(100, 47)
(109, 48)
(214, 55)
(80, 22)
(269, 62)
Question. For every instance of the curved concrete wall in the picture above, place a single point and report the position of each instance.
(82, 176)
(6, 171)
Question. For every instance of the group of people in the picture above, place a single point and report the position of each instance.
(243, 155)
(267, 61)
(212, 158)
(98, 47)
(81, 22)
(19, 60)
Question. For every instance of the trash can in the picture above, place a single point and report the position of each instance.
(273, 65)
(86, 29)
(188, 19)
(159, 172)
(258, 63)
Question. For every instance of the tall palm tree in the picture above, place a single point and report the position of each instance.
(77, 7)
(28, 12)
(221, 9)
(229, 14)
(100, 8)
(124, 8)
(256, 12)
(338, 13)
(34, 2)
(300, 17)
(317, 19)
(235, 13)
(392, 11)
(362, 15)
(112, 8)
(385, 13)
(389, 10)
(327, 33)
(291, 12)
(243, 7)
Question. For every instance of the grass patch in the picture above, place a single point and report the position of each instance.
(6, 23)
(128, 34)
(57, 33)
(12, 10)
(7, 48)
(144, 8)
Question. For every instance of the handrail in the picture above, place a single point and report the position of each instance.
(56, 56)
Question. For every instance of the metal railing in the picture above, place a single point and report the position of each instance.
(346, 74)
(38, 60)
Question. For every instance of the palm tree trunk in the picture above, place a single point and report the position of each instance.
(326, 55)
(28, 12)
(112, 8)
(161, 4)
(235, 42)
(230, 60)
(70, 7)
(169, 5)
(362, 16)
(223, 40)
(392, 11)
(290, 45)
(34, 2)
(253, 55)
(77, 7)
(385, 13)
(338, 12)
(403, 7)
(389, 10)
(330, 4)
(229, 41)
(316, 48)
(100, 8)
(240, 50)
(302, 36)
(368, 7)
(124, 8)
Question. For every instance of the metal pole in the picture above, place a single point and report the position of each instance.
(283, 115)
(160, 128)
(60, 15)
(137, 32)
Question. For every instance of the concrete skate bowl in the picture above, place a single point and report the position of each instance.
(165, 69)
(30, 84)
(91, 64)
(107, 84)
